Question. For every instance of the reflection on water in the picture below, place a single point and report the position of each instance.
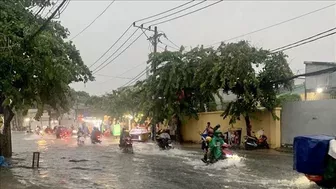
(66, 165)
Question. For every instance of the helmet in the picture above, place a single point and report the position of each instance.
(208, 139)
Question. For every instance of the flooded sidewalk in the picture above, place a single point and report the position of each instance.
(65, 165)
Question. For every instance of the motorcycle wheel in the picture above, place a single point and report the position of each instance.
(247, 147)
(326, 183)
(130, 150)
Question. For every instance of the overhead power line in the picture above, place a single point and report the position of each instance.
(108, 6)
(123, 34)
(165, 11)
(136, 78)
(319, 72)
(65, 7)
(170, 46)
(172, 42)
(174, 18)
(160, 18)
(111, 46)
(112, 77)
(118, 54)
(46, 22)
(120, 75)
(302, 42)
(277, 24)
(132, 25)
(102, 64)
(51, 9)
(38, 12)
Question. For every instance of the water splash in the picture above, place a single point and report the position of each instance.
(192, 158)
(234, 161)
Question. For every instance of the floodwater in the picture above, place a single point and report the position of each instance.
(63, 164)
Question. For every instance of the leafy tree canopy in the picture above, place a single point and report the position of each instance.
(251, 74)
(35, 71)
(185, 82)
(282, 99)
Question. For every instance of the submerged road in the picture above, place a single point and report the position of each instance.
(65, 165)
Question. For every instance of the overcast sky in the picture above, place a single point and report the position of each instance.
(220, 22)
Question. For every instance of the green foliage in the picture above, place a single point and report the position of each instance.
(185, 82)
(40, 72)
(236, 72)
(174, 89)
(282, 99)
(117, 103)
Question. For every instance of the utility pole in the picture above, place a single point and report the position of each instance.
(154, 41)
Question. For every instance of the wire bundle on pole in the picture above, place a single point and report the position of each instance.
(107, 62)
(164, 21)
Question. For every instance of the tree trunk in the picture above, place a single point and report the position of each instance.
(49, 121)
(178, 133)
(248, 125)
(6, 137)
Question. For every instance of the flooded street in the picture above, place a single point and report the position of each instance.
(65, 165)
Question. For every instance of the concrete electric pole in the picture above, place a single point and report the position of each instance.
(154, 40)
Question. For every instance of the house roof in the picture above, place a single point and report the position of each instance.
(320, 63)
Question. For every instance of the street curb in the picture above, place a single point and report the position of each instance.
(285, 150)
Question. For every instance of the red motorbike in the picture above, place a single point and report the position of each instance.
(226, 152)
(252, 142)
(63, 132)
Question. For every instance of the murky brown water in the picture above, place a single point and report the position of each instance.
(65, 165)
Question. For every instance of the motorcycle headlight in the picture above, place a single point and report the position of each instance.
(229, 155)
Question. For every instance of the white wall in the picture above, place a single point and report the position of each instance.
(307, 118)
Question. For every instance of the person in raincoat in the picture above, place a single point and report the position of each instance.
(215, 147)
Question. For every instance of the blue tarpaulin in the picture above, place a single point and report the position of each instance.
(310, 153)
(3, 162)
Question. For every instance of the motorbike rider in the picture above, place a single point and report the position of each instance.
(80, 134)
(205, 145)
(208, 131)
(164, 138)
(95, 135)
(122, 137)
(214, 152)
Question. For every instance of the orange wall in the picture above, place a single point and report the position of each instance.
(261, 120)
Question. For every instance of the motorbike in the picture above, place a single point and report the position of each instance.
(226, 153)
(128, 145)
(96, 140)
(80, 140)
(319, 180)
(164, 141)
(252, 142)
(62, 132)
